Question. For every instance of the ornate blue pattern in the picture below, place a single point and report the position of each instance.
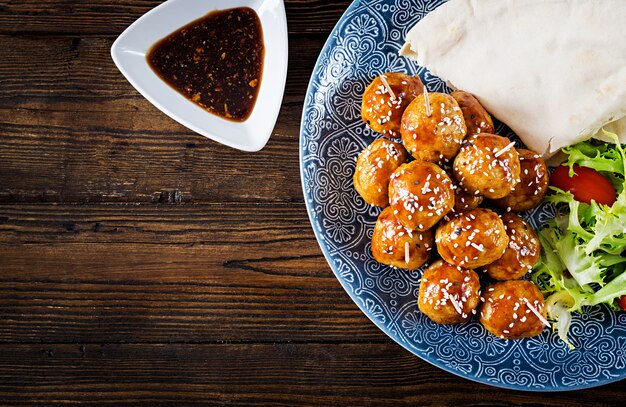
(364, 44)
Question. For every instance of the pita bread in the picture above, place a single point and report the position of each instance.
(553, 70)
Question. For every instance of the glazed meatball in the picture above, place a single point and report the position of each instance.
(487, 165)
(448, 294)
(521, 254)
(436, 137)
(472, 239)
(533, 185)
(510, 309)
(397, 246)
(477, 120)
(374, 166)
(383, 110)
(420, 194)
(465, 201)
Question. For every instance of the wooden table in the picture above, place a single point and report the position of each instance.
(141, 263)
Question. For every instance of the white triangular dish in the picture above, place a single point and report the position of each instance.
(129, 54)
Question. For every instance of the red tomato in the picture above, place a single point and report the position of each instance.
(586, 185)
(621, 301)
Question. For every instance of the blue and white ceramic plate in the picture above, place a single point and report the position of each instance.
(364, 44)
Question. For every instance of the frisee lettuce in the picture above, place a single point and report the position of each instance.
(583, 258)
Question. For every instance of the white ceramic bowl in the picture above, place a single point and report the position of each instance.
(129, 54)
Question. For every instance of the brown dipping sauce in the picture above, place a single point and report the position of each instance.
(215, 61)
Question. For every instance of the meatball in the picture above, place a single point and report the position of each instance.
(436, 137)
(533, 185)
(374, 166)
(472, 239)
(465, 201)
(397, 246)
(487, 165)
(477, 120)
(383, 110)
(448, 294)
(511, 309)
(521, 254)
(420, 194)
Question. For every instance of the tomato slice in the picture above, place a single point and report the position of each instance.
(621, 301)
(586, 185)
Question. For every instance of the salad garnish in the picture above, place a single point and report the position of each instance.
(583, 261)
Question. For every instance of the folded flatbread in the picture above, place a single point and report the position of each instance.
(553, 70)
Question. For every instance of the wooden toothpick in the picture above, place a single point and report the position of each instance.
(383, 79)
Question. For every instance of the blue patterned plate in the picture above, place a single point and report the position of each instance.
(365, 44)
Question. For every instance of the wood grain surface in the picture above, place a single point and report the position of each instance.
(142, 264)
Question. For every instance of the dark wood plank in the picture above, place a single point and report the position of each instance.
(244, 224)
(77, 157)
(105, 143)
(121, 311)
(77, 74)
(127, 273)
(251, 374)
(111, 17)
